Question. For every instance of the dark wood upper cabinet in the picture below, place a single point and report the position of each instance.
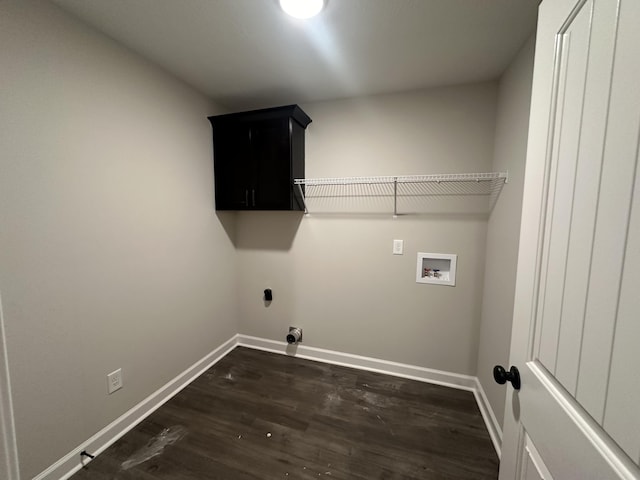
(257, 155)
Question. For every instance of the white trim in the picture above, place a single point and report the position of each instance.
(8, 440)
(490, 420)
(438, 377)
(608, 449)
(70, 463)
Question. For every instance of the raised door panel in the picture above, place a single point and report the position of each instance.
(234, 170)
(622, 406)
(572, 68)
(297, 163)
(622, 410)
(587, 216)
(271, 151)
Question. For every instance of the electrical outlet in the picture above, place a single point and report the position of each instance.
(398, 247)
(114, 381)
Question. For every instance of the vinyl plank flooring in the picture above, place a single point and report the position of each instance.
(258, 415)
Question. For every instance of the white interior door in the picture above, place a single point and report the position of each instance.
(576, 330)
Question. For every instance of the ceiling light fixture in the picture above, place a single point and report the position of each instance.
(302, 8)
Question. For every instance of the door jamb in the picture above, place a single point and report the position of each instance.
(8, 442)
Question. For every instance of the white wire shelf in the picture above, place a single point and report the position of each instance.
(450, 177)
(405, 186)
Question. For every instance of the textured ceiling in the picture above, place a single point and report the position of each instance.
(247, 53)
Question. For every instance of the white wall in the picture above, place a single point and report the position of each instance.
(335, 276)
(504, 225)
(111, 254)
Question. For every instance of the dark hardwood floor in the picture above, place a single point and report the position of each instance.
(258, 415)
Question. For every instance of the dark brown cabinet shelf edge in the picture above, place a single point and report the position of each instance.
(291, 111)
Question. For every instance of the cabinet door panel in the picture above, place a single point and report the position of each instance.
(270, 150)
(234, 172)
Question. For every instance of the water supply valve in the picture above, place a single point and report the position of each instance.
(294, 336)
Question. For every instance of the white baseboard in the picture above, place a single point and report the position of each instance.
(71, 463)
(439, 377)
(490, 420)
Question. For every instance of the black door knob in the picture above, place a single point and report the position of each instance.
(501, 376)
